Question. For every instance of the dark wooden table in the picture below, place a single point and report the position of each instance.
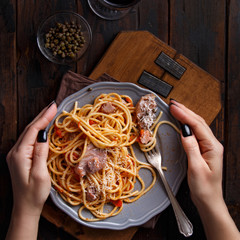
(206, 32)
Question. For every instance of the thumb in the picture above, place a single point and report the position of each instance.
(40, 154)
(191, 147)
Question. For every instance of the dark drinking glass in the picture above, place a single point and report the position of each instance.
(112, 9)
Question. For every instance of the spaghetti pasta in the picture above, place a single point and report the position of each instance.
(91, 160)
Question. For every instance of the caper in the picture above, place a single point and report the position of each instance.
(65, 40)
(72, 55)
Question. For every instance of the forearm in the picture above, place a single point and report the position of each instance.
(23, 226)
(217, 222)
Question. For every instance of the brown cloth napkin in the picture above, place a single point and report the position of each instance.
(73, 82)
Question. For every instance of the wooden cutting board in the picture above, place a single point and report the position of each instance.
(129, 55)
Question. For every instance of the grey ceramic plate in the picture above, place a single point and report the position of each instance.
(154, 201)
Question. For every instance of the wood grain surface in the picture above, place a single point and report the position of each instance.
(205, 32)
(232, 109)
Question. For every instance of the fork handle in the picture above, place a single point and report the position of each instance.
(184, 225)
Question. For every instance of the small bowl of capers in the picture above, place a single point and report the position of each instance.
(64, 37)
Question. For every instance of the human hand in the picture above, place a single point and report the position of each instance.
(27, 164)
(205, 156)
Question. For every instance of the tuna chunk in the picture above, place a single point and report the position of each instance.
(145, 136)
(145, 111)
(91, 194)
(93, 161)
(108, 108)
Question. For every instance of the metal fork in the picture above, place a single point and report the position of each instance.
(184, 225)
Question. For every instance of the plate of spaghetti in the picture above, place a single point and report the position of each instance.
(96, 161)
